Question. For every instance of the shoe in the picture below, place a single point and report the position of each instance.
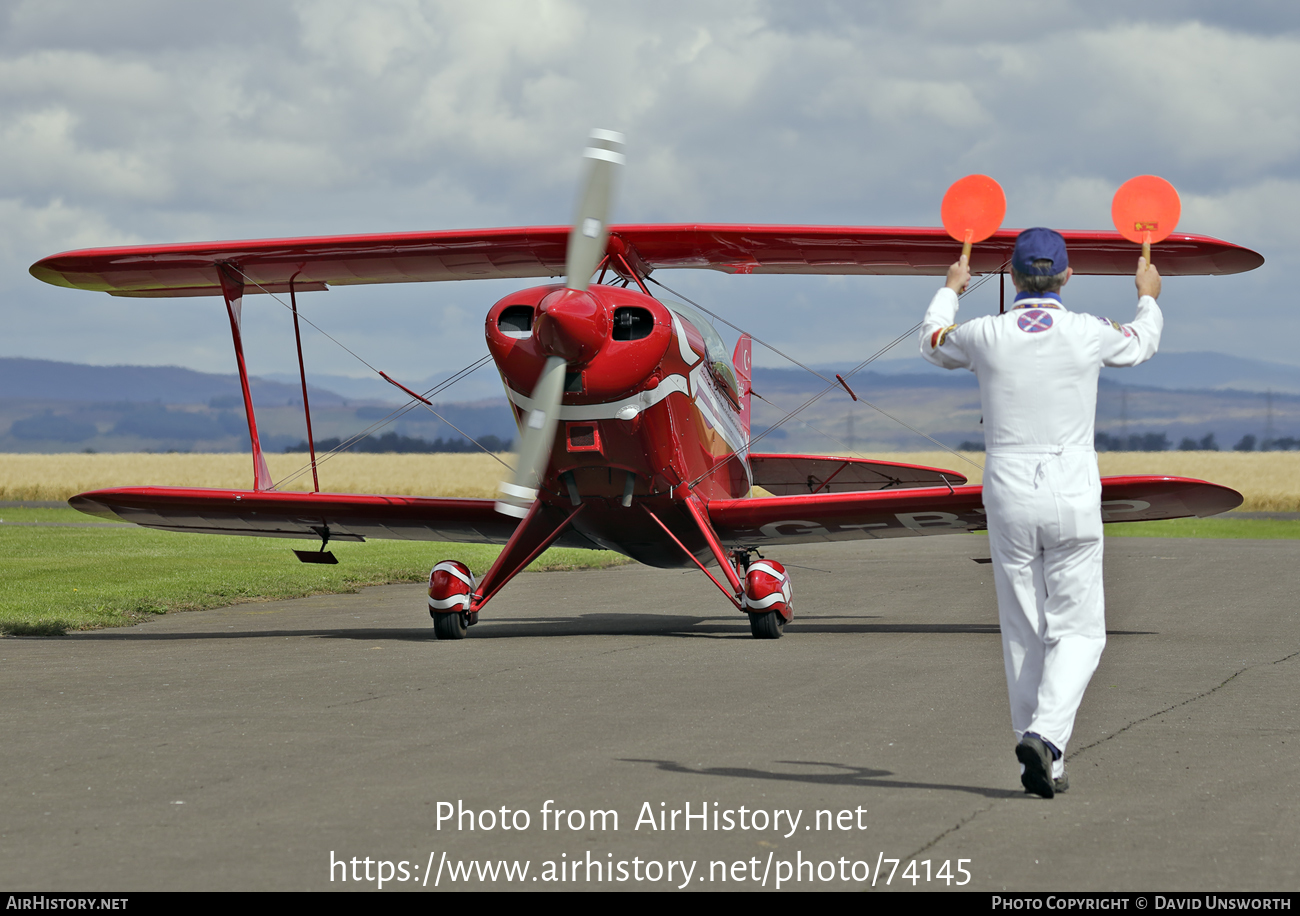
(1061, 784)
(1037, 762)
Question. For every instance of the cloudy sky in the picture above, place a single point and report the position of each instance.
(141, 121)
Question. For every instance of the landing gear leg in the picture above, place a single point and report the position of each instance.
(456, 597)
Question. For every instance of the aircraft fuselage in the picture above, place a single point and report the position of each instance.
(653, 411)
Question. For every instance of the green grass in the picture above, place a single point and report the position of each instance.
(45, 515)
(57, 579)
(1216, 527)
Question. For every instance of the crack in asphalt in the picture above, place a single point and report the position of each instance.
(954, 828)
(1200, 696)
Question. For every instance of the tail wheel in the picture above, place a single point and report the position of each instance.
(767, 625)
(450, 626)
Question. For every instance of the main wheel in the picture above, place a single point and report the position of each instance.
(767, 625)
(449, 626)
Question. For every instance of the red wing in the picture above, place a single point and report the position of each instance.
(791, 475)
(189, 269)
(349, 517)
(940, 510)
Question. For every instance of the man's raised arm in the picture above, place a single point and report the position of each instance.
(937, 344)
(1137, 341)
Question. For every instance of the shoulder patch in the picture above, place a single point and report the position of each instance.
(939, 336)
(1122, 328)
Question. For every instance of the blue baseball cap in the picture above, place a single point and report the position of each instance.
(1035, 244)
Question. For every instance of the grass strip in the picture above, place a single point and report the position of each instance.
(57, 579)
(1215, 527)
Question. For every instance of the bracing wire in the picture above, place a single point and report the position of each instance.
(304, 318)
(396, 414)
(743, 331)
(391, 417)
(834, 385)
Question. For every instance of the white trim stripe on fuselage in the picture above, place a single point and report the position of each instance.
(643, 400)
(705, 401)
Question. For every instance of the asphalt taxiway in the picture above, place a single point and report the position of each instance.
(247, 748)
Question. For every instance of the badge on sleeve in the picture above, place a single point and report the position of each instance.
(1034, 321)
(1122, 328)
(939, 336)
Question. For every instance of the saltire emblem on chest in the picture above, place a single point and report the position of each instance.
(1034, 320)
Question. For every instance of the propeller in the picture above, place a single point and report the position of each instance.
(571, 325)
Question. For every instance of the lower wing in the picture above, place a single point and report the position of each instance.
(940, 510)
(344, 516)
(756, 521)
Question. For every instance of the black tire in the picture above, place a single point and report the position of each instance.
(449, 626)
(766, 625)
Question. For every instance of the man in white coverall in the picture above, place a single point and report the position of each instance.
(1037, 366)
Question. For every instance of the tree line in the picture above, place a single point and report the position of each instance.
(392, 442)
(1159, 442)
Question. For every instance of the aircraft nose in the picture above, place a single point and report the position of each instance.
(572, 324)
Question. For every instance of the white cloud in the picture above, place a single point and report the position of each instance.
(332, 116)
(50, 228)
(1206, 95)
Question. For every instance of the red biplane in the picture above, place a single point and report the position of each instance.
(634, 420)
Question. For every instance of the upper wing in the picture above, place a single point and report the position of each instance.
(189, 269)
(940, 510)
(788, 475)
(348, 517)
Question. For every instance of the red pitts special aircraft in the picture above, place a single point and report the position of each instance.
(634, 423)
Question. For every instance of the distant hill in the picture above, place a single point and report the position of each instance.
(1203, 371)
(48, 406)
(801, 380)
(45, 379)
(1210, 371)
(480, 385)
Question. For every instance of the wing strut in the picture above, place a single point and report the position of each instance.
(232, 290)
(306, 408)
(701, 518)
(537, 531)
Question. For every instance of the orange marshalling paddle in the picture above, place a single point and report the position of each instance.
(1146, 210)
(973, 209)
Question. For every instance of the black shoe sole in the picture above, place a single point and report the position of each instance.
(1037, 760)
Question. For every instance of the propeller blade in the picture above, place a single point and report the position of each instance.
(591, 224)
(535, 439)
(587, 241)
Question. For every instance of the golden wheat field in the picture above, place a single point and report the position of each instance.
(1270, 481)
(56, 477)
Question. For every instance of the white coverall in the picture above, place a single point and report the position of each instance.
(1037, 366)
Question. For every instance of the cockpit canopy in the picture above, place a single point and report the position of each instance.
(719, 361)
